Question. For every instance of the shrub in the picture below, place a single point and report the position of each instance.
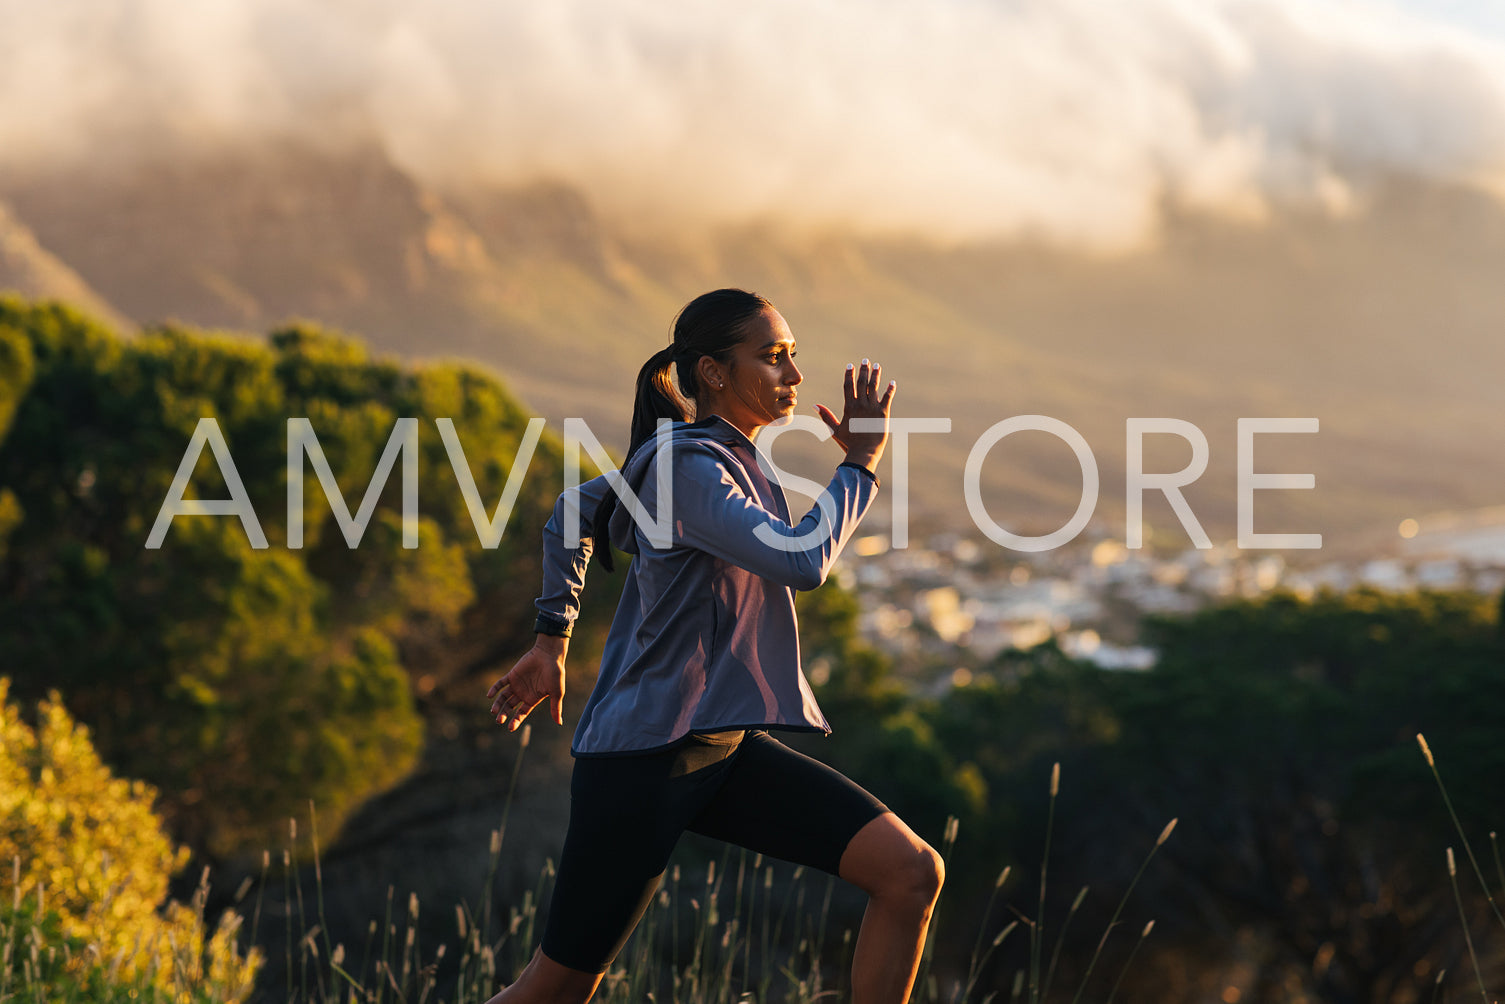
(90, 866)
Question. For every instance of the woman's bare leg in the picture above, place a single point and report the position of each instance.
(902, 876)
(544, 981)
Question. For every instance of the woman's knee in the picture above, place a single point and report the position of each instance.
(929, 874)
(888, 861)
(913, 878)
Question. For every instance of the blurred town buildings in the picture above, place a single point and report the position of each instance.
(949, 604)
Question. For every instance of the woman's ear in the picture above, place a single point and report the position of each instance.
(710, 374)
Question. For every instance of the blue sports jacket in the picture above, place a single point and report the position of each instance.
(704, 637)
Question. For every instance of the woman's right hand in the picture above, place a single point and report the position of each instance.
(862, 400)
(539, 674)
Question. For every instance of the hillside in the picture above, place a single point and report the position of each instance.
(27, 268)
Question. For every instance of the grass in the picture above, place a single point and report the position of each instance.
(1494, 905)
(40, 963)
(733, 932)
(729, 936)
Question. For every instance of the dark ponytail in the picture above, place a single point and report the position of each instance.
(710, 325)
(656, 398)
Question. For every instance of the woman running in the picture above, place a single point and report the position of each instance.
(702, 658)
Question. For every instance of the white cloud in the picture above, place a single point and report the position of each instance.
(1068, 119)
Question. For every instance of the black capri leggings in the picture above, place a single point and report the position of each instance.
(627, 812)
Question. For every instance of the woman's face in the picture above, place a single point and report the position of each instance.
(758, 381)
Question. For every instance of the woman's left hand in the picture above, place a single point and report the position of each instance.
(862, 398)
(538, 676)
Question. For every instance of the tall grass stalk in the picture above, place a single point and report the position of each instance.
(974, 970)
(818, 952)
(674, 937)
(498, 834)
(313, 828)
(974, 966)
(266, 864)
(1092, 963)
(1468, 939)
(752, 893)
(1055, 955)
(1130, 960)
(387, 930)
(287, 898)
(9, 947)
(1468, 848)
(1037, 929)
(767, 899)
(1494, 846)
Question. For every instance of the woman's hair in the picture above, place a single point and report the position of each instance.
(710, 325)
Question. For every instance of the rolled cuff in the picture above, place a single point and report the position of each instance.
(552, 625)
(864, 470)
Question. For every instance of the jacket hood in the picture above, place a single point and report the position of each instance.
(711, 429)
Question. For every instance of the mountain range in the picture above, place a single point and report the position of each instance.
(1380, 321)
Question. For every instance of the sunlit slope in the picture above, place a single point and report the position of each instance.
(28, 268)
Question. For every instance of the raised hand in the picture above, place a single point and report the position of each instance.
(537, 676)
(861, 400)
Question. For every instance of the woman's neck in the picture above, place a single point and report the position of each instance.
(710, 412)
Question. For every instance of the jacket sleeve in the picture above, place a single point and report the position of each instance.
(564, 566)
(712, 512)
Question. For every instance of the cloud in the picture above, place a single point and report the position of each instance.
(1066, 120)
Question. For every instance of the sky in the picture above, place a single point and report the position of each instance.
(1072, 121)
(1479, 17)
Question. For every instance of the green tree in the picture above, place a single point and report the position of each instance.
(1281, 732)
(244, 682)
